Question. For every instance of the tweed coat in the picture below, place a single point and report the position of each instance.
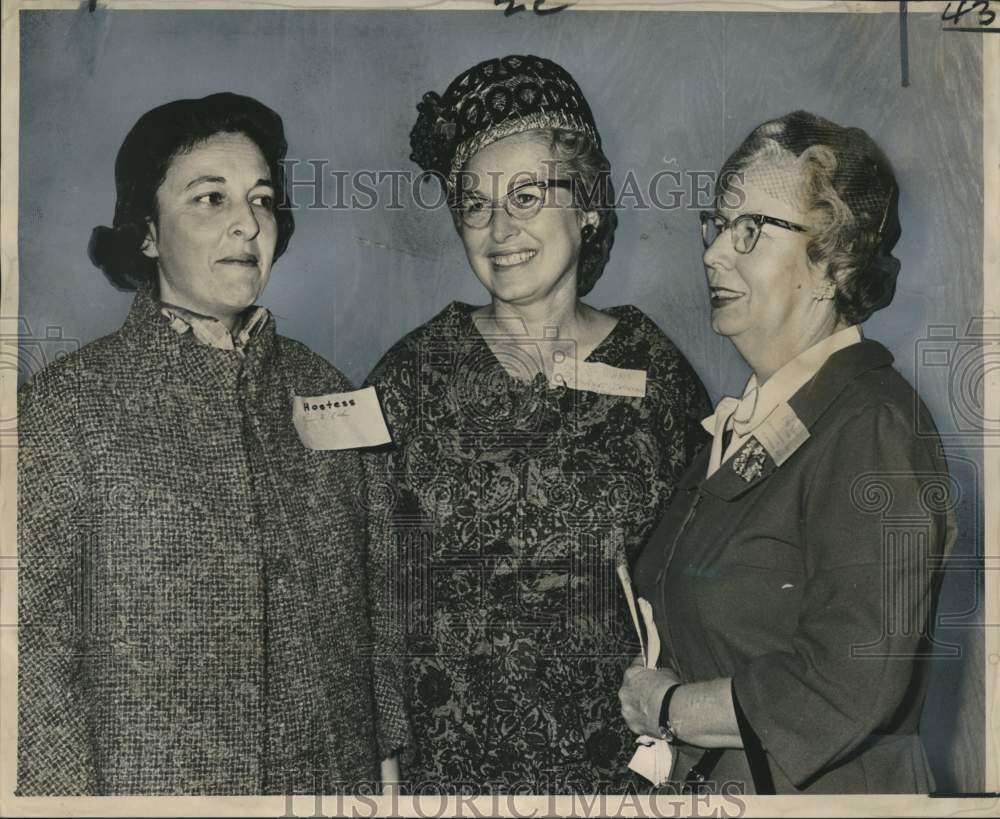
(812, 584)
(192, 605)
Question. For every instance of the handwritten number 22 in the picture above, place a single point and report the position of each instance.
(513, 7)
(986, 16)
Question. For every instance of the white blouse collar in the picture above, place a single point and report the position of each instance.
(745, 414)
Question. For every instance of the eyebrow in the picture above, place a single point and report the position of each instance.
(199, 179)
(476, 194)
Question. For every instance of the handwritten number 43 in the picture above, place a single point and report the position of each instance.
(986, 16)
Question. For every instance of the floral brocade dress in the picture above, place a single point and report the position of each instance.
(502, 507)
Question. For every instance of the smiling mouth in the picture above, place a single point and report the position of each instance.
(244, 259)
(721, 296)
(511, 259)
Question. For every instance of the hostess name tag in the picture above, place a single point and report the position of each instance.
(340, 420)
(597, 377)
(781, 433)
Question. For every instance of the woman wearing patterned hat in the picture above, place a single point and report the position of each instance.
(191, 581)
(793, 579)
(536, 440)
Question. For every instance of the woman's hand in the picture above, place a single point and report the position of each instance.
(641, 695)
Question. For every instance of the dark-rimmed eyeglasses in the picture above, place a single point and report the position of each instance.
(521, 202)
(745, 228)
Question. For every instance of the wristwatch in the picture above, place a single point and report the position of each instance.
(666, 729)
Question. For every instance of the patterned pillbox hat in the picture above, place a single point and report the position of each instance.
(493, 100)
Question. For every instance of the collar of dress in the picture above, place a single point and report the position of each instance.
(788, 426)
(747, 413)
(213, 333)
(184, 358)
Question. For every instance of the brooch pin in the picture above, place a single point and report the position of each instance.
(749, 461)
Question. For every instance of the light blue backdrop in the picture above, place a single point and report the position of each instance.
(668, 91)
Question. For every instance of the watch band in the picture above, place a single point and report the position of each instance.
(666, 729)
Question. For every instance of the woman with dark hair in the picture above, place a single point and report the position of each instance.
(191, 572)
(792, 578)
(536, 440)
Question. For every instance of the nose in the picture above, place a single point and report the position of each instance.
(244, 222)
(719, 252)
(502, 225)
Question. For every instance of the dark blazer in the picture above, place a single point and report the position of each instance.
(191, 576)
(812, 584)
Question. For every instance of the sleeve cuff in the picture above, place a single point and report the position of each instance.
(763, 783)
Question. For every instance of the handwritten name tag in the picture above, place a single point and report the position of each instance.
(340, 420)
(781, 433)
(597, 377)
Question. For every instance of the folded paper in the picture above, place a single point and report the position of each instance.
(654, 757)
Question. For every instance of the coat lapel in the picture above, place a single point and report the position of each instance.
(788, 427)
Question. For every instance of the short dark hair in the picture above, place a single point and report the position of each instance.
(145, 156)
(851, 187)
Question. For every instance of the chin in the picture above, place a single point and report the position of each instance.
(511, 296)
(245, 293)
(726, 327)
(234, 302)
(506, 291)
